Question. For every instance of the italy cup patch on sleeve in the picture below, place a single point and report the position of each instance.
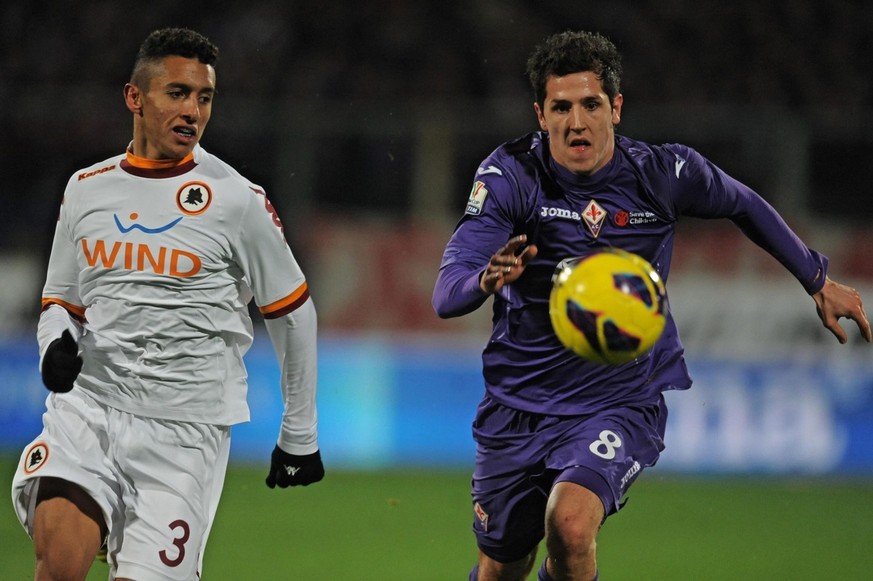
(477, 199)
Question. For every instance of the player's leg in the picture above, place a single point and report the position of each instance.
(63, 490)
(598, 459)
(509, 533)
(217, 486)
(169, 468)
(508, 503)
(573, 518)
(68, 530)
(489, 569)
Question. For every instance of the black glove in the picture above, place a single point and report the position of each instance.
(61, 363)
(290, 470)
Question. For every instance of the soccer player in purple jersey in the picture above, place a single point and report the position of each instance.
(560, 439)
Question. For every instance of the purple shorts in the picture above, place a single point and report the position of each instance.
(521, 455)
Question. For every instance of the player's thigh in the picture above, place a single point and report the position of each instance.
(63, 507)
(68, 530)
(171, 468)
(607, 452)
(508, 501)
(69, 449)
(508, 518)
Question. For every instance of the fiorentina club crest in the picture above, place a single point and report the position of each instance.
(481, 515)
(594, 215)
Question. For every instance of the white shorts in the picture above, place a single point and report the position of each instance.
(157, 482)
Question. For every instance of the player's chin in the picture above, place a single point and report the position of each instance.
(179, 149)
(580, 160)
(581, 167)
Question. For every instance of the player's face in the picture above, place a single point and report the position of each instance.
(580, 121)
(171, 115)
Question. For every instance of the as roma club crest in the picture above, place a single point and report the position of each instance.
(35, 458)
(193, 198)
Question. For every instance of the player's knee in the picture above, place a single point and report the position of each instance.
(573, 520)
(571, 535)
(61, 557)
(572, 538)
(60, 565)
(489, 568)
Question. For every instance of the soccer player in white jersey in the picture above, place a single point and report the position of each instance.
(156, 255)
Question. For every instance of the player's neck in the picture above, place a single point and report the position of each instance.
(146, 163)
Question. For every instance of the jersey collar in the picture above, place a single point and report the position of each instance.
(157, 168)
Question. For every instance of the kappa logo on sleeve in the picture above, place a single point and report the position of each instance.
(477, 199)
(96, 172)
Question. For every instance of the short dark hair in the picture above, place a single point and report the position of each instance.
(173, 42)
(575, 52)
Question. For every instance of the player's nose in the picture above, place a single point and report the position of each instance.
(191, 110)
(577, 119)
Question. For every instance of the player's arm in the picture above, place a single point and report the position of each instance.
(763, 225)
(290, 318)
(296, 459)
(62, 315)
(484, 253)
(58, 335)
(703, 190)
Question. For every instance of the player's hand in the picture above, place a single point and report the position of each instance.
(837, 300)
(290, 470)
(61, 363)
(506, 265)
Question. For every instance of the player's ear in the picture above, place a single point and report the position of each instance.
(133, 98)
(616, 109)
(540, 117)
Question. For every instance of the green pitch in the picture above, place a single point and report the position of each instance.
(385, 526)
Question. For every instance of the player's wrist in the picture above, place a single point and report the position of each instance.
(61, 363)
(295, 447)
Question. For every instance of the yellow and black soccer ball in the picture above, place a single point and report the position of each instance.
(609, 307)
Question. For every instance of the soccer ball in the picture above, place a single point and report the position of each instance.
(609, 307)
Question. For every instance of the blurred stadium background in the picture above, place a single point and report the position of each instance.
(365, 121)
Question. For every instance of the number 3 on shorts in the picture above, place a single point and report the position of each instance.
(605, 447)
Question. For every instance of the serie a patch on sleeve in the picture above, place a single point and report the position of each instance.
(477, 199)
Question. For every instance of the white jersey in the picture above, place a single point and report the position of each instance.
(158, 262)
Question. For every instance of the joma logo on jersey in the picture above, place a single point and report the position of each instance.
(142, 257)
(630, 473)
(564, 213)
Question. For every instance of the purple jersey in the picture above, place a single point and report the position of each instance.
(632, 203)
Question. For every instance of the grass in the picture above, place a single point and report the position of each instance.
(414, 525)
